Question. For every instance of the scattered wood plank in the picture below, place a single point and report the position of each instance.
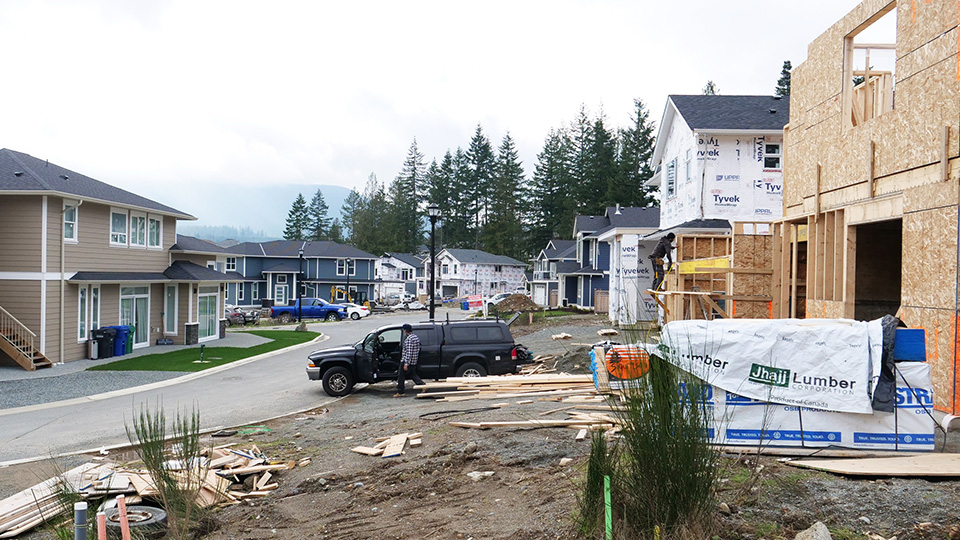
(920, 465)
(366, 450)
(395, 445)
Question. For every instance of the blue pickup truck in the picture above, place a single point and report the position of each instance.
(309, 308)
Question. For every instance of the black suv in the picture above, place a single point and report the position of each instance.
(460, 348)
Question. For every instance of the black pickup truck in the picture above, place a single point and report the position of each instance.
(459, 348)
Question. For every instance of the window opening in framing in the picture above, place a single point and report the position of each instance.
(869, 67)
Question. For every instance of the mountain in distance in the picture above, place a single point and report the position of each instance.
(249, 213)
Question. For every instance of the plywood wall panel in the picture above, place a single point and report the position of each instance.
(929, 258)
(917, 21)
(940, 338)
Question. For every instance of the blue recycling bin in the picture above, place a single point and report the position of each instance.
(465, 306)
(120, 341)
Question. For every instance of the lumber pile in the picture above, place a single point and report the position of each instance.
(538, 365)
(550, 386)
(392, 446)
(226, 477)
(583, 422)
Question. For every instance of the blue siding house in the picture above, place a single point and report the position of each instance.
(272, 273)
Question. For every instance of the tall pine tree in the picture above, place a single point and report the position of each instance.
(503, 232)
(297, 220)
(349, 212)
(317, 217)
(480, 159)
(635, 148)
(783, 84)
(550, 197)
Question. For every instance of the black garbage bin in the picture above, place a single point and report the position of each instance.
(105, 338)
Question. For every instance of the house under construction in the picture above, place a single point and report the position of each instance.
(871, 187)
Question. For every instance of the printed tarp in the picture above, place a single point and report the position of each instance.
(827, 364)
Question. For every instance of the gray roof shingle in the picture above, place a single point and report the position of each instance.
(704, 113)
(291, 248)
(407, 258)
(24, 173)
(178, 271)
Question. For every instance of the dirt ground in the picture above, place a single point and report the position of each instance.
(427, 494)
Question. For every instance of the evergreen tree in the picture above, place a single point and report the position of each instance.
(602, 170)
(335, 233)
(550, 199)
(459, 222)
(368, 228)
(402, 223)
(319, 222)
(413, 174)
(480, 159)
(349, 213)
(711, 89)
(297, 220)
(580, 148)
(635, 148)
(503, 232)
(783, 84)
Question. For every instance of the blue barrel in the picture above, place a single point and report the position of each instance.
(465, 305)
(120, 342)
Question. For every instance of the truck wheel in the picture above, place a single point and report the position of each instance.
(337, 381)
(285, 318)
(355, 316)
(471, 369)
(332, 317)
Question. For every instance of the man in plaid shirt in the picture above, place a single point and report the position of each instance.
(408, 360)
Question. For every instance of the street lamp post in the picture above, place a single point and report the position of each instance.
(300, 289)
(349, 260)
(434, 212)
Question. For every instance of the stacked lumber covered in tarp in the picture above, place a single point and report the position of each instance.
(801, 382)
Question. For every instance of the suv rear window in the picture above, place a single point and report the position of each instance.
(477, 333)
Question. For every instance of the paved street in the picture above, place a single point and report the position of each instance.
(271, 386)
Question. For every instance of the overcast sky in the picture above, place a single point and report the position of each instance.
(159, 97)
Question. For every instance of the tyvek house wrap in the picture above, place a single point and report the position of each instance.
(827, 364)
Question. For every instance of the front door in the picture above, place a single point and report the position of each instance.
(135, 311)
(280, 295)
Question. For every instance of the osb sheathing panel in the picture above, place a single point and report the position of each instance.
(929, 270)
(824, 309)
(755, 252)
(905, 138)
(930, 196)
(932, 19)
(940, 336)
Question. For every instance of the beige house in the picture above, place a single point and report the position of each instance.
(871, 179)
(80, 254)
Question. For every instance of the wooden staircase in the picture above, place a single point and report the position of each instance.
(20, 343)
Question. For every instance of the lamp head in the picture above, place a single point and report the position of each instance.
(433, 211)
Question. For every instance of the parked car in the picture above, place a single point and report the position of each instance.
(240, 316)
(393, 299)
(309, 308)
(356, 311)
(496, 299)
(461, 348)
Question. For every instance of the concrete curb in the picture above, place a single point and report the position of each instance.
(160, 384)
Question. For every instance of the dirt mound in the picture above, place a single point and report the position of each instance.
(517, 302)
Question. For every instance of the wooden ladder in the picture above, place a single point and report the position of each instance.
(19, 343)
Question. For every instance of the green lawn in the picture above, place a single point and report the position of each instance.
(188, 359)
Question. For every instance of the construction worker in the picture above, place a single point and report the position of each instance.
(664, 250)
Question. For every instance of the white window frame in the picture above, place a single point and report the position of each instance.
(159, 221)
(343, 268)
(255, 291)
(76, 217)
(281, 278)
(83, 314)
(239, 292)
(770, 155)
(231, 264)
(671, 181)
(141, 219)
(498, 268)
(167, 316)
(118, 238)
(95, 301)
(444, 269)
(689, 165)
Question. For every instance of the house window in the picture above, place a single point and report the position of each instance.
(138, 230)
(455, 268)
(118, 228)
(170, 310)
(231, 264)
(255, 291)
(70, 224)
(672, 178)
(497, 268)
(444, 269)
(689, 165)
(239, 292)
(405, 274)
(94, 307)
(84, 315)
(154, 235)
(869, 68)
(281, 278)
(346, 265)
(771, 156)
